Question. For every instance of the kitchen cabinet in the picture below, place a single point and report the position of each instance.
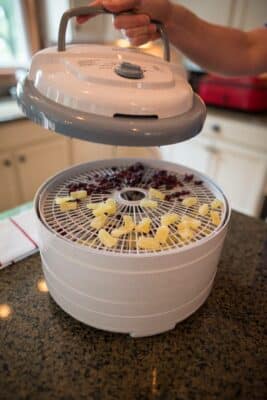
(10, 195)
(193, 153)
(37, 163)
(241, 173)
(208, 10)
(232, 150)
(29, 154)
(249, 14)
(83, 151)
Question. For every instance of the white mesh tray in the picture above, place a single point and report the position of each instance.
(74, 225)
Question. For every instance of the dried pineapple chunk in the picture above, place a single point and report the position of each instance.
(215, 218)
(189, 201)
(144, 225)
(108, 207)
(148, 243)
(186, 233)
(98, 222)
(168, 219)
(69, 206)
(79, 194)
(203, 210)
(118, 232)
(147, 203)
(155, 194)
(216, 203)
(162, 234)
(106, 239)
(183, 225)
(61, 200)
(94, 206)
(192, 223)
(128, 226)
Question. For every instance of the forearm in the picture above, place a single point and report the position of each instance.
(215, 48)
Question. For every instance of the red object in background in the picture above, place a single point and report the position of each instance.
(248, 93)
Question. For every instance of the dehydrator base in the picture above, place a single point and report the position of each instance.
(137, 326)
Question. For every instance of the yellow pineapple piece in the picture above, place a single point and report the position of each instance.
(118, 232)
(183, 225)
(108, 207)
(168, 219)
(162, 234)
(61, 200)
(79, 194)
(216, 203)
(98, 222)
(106, 239)
(144, 225)
(186, 233)
(129, 224)
(192, 223)
(111, 206)
(99, 210)
(215, 218)
(203, 210)
(94, 206)
(189, 201)
(147, 203)
(69, 206)
(155, 194)
(148, 243)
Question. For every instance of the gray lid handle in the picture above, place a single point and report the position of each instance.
(75, 12)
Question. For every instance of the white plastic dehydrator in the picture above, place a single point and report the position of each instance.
(126, 289)
(122, 97)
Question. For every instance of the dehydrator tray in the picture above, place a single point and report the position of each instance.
(100, 179)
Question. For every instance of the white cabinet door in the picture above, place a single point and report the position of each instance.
(250, 14)
(36, 163)
(9, 193)
(85, 151)
(192, 154)
(242, 175)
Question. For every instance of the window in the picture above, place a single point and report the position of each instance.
(14, 50)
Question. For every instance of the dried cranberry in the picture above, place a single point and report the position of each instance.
(198, 183)
(188, 177)
(185, 192)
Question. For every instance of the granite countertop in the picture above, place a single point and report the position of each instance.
(217, 353)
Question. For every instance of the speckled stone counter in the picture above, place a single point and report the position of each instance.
(217, 353)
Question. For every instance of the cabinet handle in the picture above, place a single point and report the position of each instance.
(22, 159)
(7, 163)
(216, 128)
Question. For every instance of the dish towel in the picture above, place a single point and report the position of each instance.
(18, 238)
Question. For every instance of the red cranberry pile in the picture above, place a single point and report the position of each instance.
(133, 176)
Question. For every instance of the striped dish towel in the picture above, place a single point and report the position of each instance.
(18, 238)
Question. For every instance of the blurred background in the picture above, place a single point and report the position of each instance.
(232, 149)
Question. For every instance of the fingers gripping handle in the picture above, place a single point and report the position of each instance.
(75, 12)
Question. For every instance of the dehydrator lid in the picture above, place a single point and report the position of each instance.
(110, 95)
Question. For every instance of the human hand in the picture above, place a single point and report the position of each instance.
(137, 27)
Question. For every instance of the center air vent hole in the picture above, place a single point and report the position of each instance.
(133, 195)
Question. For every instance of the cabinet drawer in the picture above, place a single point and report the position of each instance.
(247, 132)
